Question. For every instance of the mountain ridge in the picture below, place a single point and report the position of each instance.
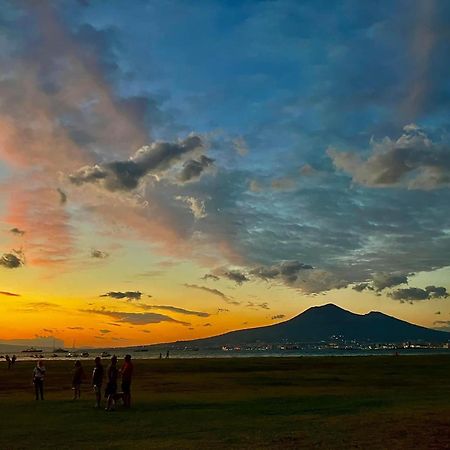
(322, 323)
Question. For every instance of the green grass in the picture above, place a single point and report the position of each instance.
(264, 403)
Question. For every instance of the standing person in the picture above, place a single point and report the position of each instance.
(127, 373)
(97, 380)
(111, 386)
(38, 380)
(8, 360)
(77, 379)
(13, 360)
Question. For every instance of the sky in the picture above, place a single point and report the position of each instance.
(175, 170)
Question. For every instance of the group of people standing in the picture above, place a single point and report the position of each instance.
(10, 360)
(113, 373)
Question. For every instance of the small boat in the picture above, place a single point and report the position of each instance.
(72, 355)
(32, 350)
(105, 355)
(84, 354)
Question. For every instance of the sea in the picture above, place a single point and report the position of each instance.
(161, 353)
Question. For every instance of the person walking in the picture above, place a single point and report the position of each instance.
(127, 373)
(38, 380)
(111, 386)
(97, 380)
(77, 379)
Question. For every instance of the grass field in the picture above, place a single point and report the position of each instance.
(265, 403)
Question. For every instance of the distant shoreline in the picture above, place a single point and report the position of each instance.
(218, 354)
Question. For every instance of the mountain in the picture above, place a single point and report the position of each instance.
(320, 323)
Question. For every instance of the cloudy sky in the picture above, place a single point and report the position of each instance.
(172, 170)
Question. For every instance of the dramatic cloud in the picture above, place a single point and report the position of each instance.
(235, 275)
(412, 161)
(288, 271)
(413, 294)
(75, 328)
(193, 169)
(437, 291)
(155, 158)
(11, 260)
(175, 309)
(135, 318)
(95, 253)
(129, 295)
(104, 331)
(362, 287)
(382, 281)
(9, 294)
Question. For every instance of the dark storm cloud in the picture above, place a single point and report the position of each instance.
(411, 161)
(193, 169)
(135, 318)
(129, 295)
(413, 294)
(11, 260)
(176, 310)
(125, 175)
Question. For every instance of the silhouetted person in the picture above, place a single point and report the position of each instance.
(160, 356)
(13, 360)
(167, 354)
(111, 386)
(127, 373)
(97, 380)
(8, 360)
(38, 380)
(77, 379)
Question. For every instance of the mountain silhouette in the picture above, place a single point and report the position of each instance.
(321, 323)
